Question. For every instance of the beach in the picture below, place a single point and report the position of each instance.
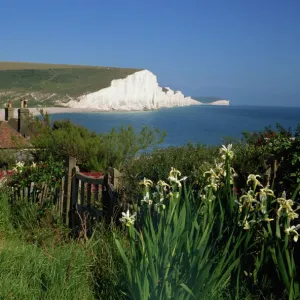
(52, 110)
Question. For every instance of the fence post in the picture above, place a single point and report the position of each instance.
(74, 197)
(110, 194)
(115, 178)
(71, 164)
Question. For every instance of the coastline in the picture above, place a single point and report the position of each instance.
(35, 111)
(66, 110)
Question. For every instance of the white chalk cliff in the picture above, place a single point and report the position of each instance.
(139, 91)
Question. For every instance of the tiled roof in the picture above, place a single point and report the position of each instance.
(10, 138)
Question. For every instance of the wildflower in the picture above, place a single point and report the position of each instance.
(128, 219)
(248, 199)
(240, 206)
(33, 165)
(293, 231)
(147, 199)
(163, 184)
(293, 215)
(264, 192)
(146, 182)
(211, 173)
(226, 151)
(253, 178)
(213, 186)
(174, 173)
(246, 225)
(263, 195)
(20, 164)
(173, 177)
(286, 205)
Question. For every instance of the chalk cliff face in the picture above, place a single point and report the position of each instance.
(220, 102)
(139, 91)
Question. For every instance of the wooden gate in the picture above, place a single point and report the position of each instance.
(79, 199)
(89, 199)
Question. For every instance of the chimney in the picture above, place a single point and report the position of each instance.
(9, 111)
(23, 118)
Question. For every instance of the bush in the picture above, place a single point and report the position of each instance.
(93, 151)
(273, 153)
(7, 158)
(191, 159)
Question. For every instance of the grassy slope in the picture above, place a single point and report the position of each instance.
(19, 79)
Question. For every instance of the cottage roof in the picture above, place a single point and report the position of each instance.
(10, 138)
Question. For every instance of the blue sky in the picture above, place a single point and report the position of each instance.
(247, 51)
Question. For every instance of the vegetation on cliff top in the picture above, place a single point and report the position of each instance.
(46, 83)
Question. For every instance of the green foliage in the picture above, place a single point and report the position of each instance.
(7, 158)
(47, 264)
(203, 243)
(191, 159)
(45, 172)
(92, 151)
(183, 247)
(273, 153)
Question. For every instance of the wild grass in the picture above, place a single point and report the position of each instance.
(38, 259)
(30, 272)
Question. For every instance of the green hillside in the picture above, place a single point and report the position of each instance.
(49, 84)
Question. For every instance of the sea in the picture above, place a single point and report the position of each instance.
(210, 125)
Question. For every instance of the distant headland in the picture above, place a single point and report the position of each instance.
(90, 88)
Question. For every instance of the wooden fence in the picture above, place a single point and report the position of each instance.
(78, 198)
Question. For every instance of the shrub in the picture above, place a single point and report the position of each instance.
(93, 151)
(273, 153)
(191, 159)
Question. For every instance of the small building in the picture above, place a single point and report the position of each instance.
(15, 133)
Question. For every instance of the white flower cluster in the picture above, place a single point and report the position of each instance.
(20, 166)
(254, 204)
(216, 176)
(157, 199)
(128, 219)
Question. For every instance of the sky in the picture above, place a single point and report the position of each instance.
(247, 51)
